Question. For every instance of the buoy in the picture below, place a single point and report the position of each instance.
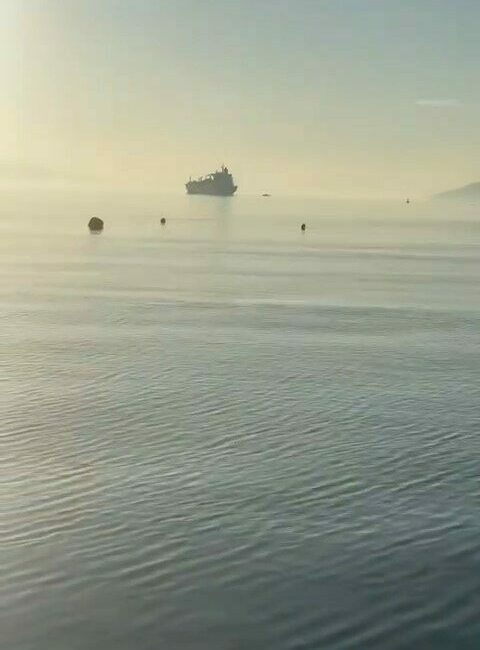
(163, 221)
(95, 224)
(303, 227)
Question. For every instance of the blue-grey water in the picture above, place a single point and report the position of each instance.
(225, 434)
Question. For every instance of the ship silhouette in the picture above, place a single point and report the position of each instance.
(219, 183)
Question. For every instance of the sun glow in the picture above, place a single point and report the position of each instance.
(10, 78)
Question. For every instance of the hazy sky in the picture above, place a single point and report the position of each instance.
(339, 97)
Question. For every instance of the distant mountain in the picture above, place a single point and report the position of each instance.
(469, 192)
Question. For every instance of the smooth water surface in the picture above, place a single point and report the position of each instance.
(224, 433)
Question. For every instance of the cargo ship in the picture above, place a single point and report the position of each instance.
(219, 183)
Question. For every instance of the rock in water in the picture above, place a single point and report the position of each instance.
(95, 224)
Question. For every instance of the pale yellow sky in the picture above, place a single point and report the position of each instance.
(309, 97)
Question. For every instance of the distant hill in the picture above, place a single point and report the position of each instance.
(469, 192)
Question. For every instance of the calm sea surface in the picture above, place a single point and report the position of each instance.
(227, 434)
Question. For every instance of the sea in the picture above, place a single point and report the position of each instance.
(225, 433)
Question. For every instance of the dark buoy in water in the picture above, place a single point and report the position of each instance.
(407, 201)
(163, 221)
(303, 227)
(95, 224)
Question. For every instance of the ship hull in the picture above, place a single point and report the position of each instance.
(210, 189)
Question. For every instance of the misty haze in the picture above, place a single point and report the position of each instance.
(239, 263)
